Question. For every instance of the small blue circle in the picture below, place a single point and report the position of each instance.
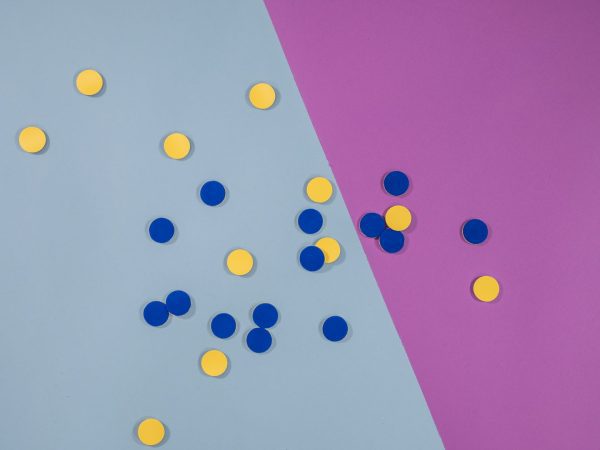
(212, 193)
(475, 231)
(391, 241)
(310, 221)
(223, 325)
(161, 230)
(396, 183)
(312, 258)
(178, 303)
(265, 315)
(335, 328)
(372, 225)
(156, 313)
(259, 340)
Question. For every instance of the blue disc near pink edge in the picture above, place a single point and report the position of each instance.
(335, 328)
(178, 303)
(310, 221)
(312, 258)
(396, 183)
(161, 230)
(475, 231)
(156, 313)
(212, 193)
(391, 241)
(265, 315)
(259, 340)
(223, 325)
(371, 225)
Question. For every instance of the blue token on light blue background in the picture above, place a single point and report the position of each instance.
(178, 303)
(223, 325)
(212, 193)
(475, 231)
(161, 230)
(156, 313)
(265, 315)
(310, 221)
(312, 258)
(391, 241)
(335, 328)
(372, 225)
(396, 183)
(259, 340)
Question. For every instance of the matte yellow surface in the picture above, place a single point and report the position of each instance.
(398, 218)
(32, 139)
(89, 82)
(214, 363)
(262, 95)
(331, 248)
(486, 288)
(319, 189)
(177, 146)
(240, 262)
(151, 431)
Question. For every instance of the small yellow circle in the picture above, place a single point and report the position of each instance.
(151, 431)
(262, 95)
(398, 218)
(177, 145)
(319, 189)
(214, 363)
(32, 139)
(331, 248)
(486, 288)
(89, 82)
(240, 261)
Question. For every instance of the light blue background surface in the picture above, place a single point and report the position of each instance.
(79, 367)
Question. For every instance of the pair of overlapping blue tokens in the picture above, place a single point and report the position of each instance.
(156, 313)
(258, 339)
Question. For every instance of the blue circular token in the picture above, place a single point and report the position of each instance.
(259, 340)
(391, 241)
(335, 328)
(475, 231)
(161, 230)
(371, 225)
(156, 313)
(212, 193)
(310, 221)
(223, 325)
(178, 303)
(396, 183)
(312, 258)
(265, 315)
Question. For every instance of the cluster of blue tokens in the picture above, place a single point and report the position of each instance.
(177, 303)
(312, 258)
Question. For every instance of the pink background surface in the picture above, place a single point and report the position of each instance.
(493, 110)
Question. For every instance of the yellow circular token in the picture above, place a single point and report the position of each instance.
(330, 248)
(214, 363)
(177, 145)
(32, 139)
(486, 288)
(319, 189)
(398, 218)
(151, 431)
(262, 95)
(240, 261)
(89, 82)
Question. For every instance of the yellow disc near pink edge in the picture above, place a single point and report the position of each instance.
(32, 139)
(89, 82)
(262, 95)
(214, 363)
(177, 146)
(240, 262)
(319, 189)
(330, 248)
(398, 218)
(151, 431)
(486, 288)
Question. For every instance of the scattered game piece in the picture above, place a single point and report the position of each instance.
(371, 225)
(156, 313)
(265, 315)
(161, 230)
(223, 325)
(240, 262)
(475, 231)
(395, 183)
(151, 432)
(214, 363)
(330, 248)
(312, 258)
(178, 303)
(259, 340)
(212, 193)
(391, 241)
(398, 218)
(319, 189)
(335, 328)
(262, 95)
(32, 139)
(310, 221)
(177, 146)
(486, 288)
(89, 82)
